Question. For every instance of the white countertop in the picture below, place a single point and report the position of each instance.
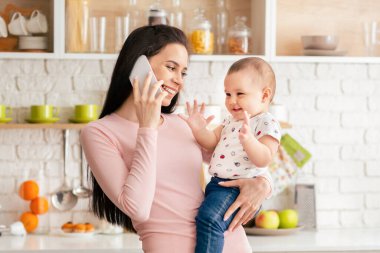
(343, 240)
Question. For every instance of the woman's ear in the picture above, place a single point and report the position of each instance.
(267, 94)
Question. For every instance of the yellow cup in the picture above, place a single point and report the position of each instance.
(5, 111)
(86, 112)
(41, 112)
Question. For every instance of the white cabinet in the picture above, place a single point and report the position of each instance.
(276, 24)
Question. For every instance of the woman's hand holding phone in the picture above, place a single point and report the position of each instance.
(147, 104)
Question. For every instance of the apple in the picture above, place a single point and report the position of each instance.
(288, 218)
(267, 219)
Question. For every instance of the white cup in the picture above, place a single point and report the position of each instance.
(17, 25)
(3, 28)
(37, 23)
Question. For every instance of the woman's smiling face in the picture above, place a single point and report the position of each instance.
(170, 65)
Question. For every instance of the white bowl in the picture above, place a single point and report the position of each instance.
(32, 42)
(324, 42)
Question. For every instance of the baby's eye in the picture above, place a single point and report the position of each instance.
(228, 94)
(240, 93)
(184, 74)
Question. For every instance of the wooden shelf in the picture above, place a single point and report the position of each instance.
(42, 126)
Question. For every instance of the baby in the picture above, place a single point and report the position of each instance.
(244, 144)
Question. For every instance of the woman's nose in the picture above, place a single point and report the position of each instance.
(178, 79)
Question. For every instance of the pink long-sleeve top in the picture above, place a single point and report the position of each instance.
(153, 176)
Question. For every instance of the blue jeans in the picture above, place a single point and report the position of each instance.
(209, 221)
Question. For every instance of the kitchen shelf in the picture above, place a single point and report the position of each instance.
(42, 126)
(325, 59)
(276, 25)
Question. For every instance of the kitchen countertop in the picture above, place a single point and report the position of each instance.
(339, 240)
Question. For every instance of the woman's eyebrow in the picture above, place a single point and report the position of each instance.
(176, 63)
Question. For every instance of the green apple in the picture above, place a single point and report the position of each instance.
(288, 218)
(267, 219)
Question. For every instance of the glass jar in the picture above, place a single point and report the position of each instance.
(176, 16)
(157, 15)
(201, 36)
(221, 26)
(239, 37)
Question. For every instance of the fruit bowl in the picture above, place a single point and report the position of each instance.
(275, 232)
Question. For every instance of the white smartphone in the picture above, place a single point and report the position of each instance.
(141, 70)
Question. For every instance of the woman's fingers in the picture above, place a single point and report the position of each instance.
(161, 97)
(154, 89)
(136, 90)
(239, 218)
(144, 93)
(236, 204)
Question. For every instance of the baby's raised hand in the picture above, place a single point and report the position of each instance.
(196, 119)
(245, 134)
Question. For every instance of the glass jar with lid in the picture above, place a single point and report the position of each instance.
(239, 37)
(201, 36)
(157, 15)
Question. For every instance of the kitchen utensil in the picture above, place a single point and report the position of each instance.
(98, 27)
(372, 38)
(325, 42)
(37, 23)
(122, 25)
(3, 28)
(17, 25)
(33, 42)
(64, 199)
(81, 191)
(16, 228)
(305, 205)
(5, 111)
(77, 25)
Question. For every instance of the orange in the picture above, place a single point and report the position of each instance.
(39, 205)
(29, 220)
(28, 190)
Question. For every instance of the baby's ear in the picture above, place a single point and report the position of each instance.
(267, 94)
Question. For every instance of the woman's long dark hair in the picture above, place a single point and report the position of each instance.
(149, 41)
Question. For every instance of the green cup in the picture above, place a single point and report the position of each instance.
(86, 112)
(5, 111)
(41, 112)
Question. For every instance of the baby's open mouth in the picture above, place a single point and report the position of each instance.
(168, 89)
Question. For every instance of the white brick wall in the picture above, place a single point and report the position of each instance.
(334, 108)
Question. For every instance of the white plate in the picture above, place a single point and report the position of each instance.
(86, 234)
(264, 231)
(320, 52)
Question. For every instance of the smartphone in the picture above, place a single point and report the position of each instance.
(141, 70)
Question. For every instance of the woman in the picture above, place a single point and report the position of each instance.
(145, 163)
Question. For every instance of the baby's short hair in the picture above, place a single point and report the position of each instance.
(263, 68)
